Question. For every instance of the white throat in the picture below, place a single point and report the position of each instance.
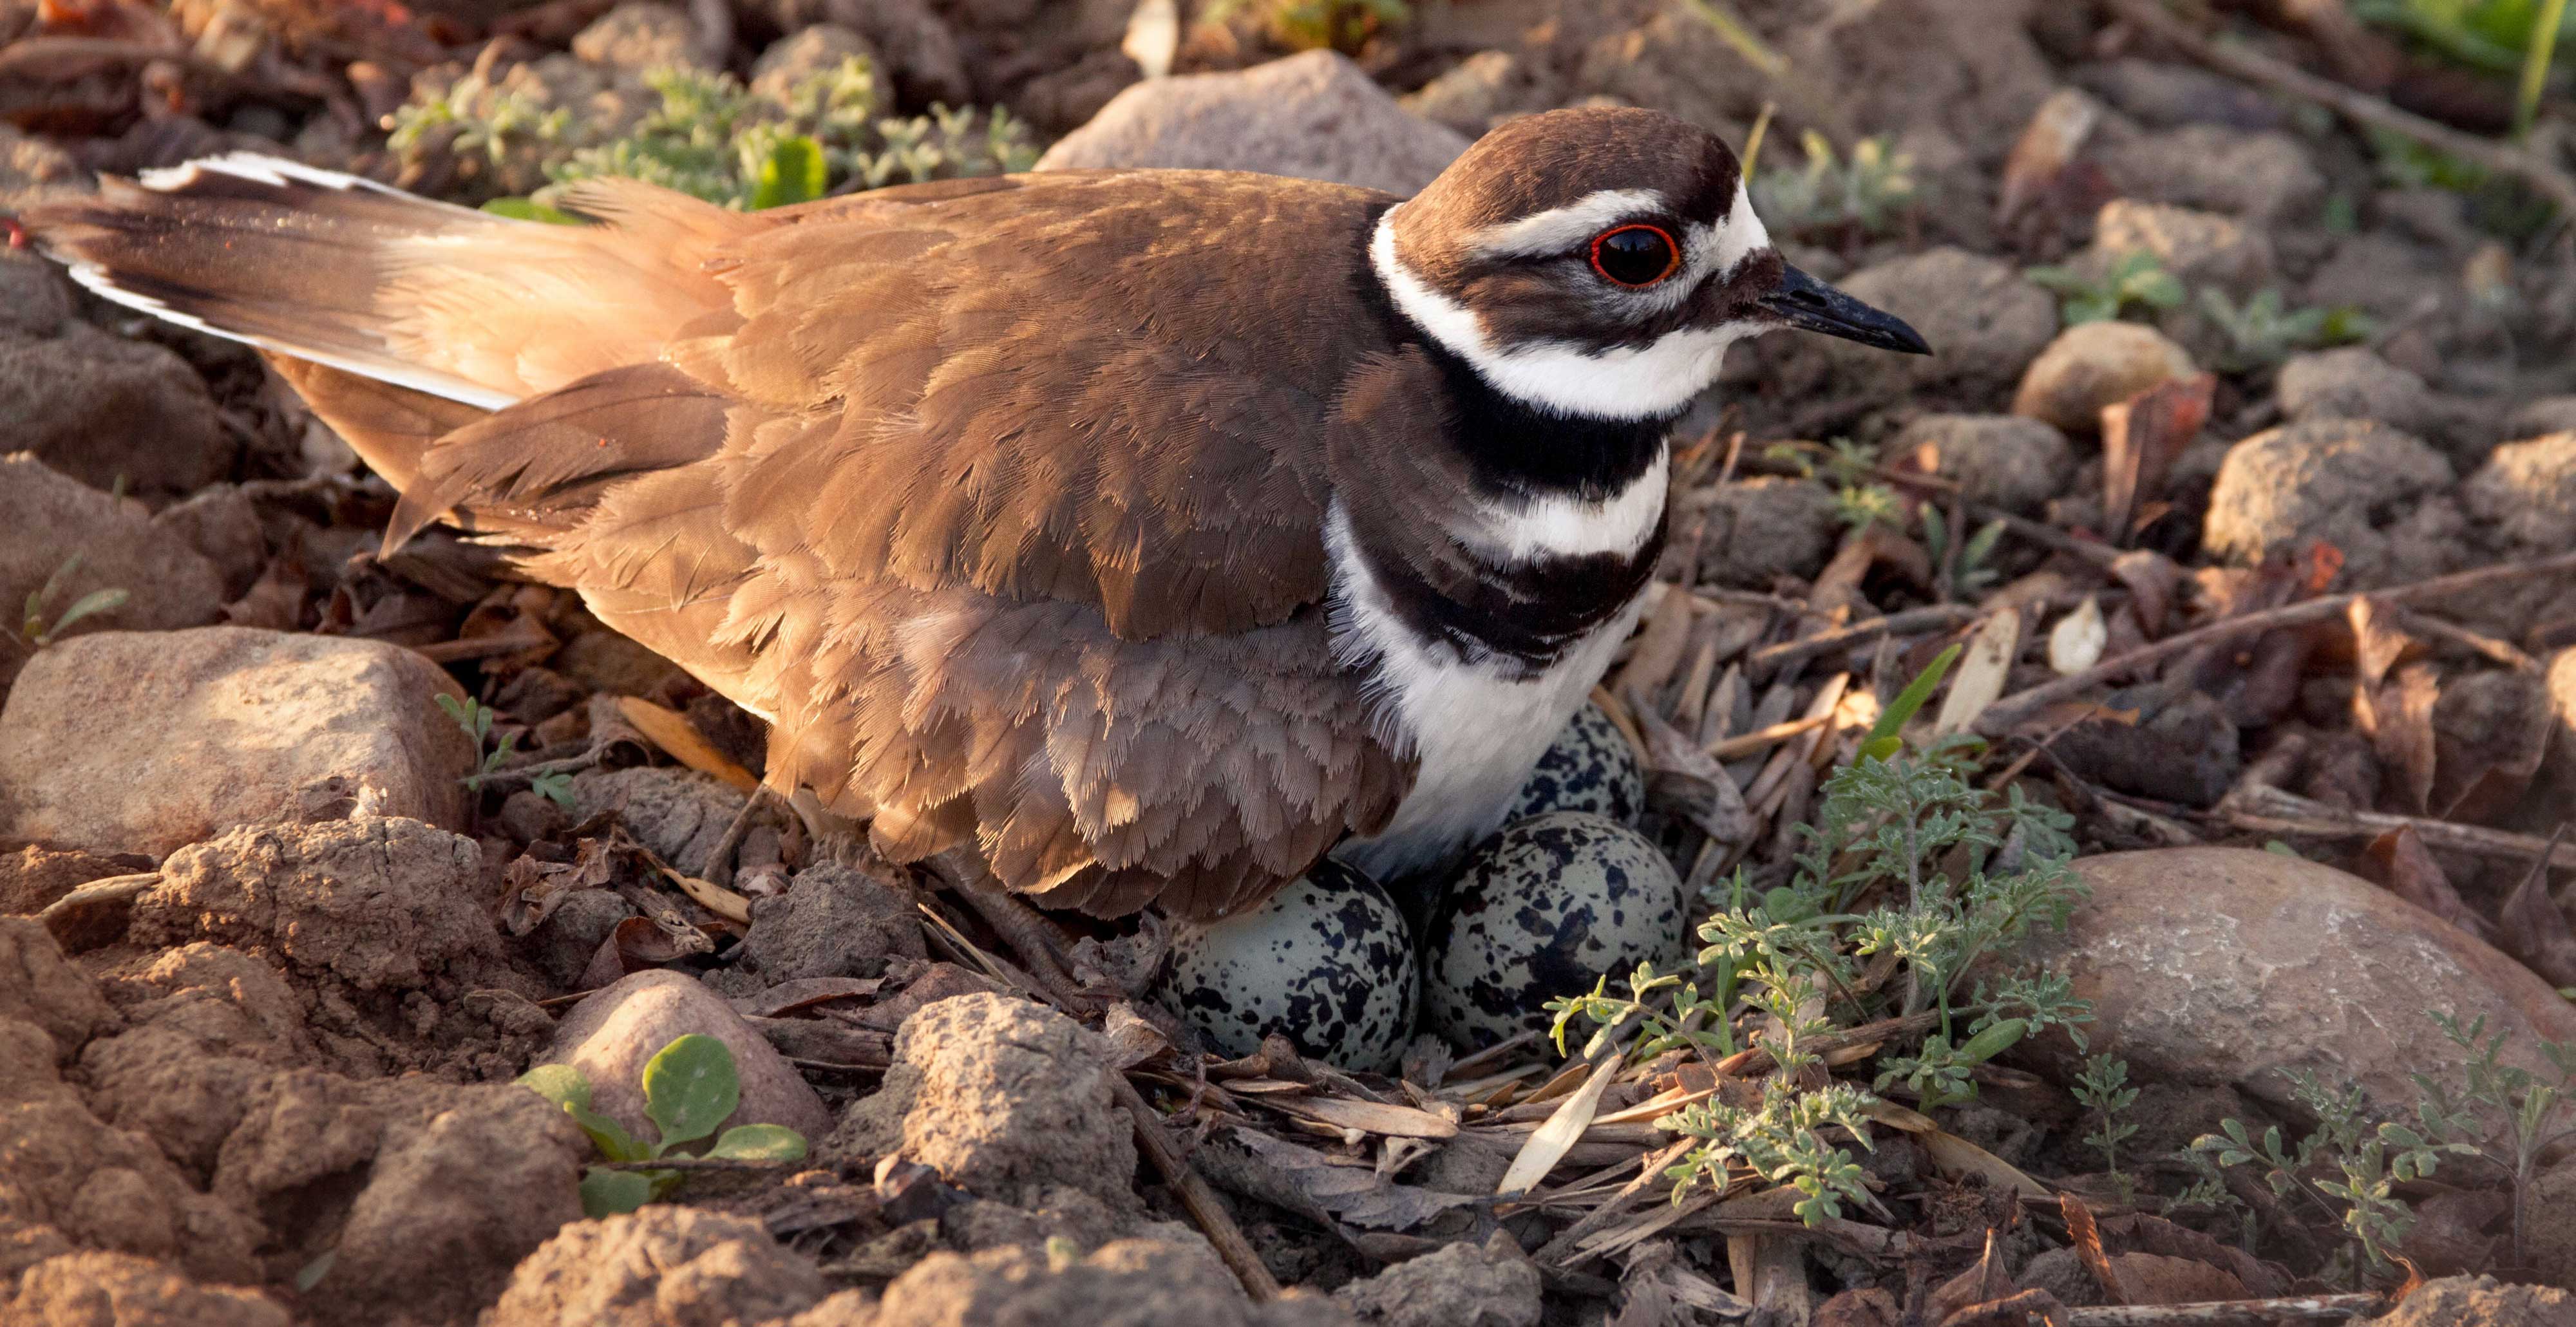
(1623, 382)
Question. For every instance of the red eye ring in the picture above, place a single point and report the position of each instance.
(1672, 254)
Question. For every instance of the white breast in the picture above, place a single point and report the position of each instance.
(1474, 726)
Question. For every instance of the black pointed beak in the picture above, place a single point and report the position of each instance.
(1803, 301)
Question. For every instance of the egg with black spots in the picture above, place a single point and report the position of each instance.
(1327, 963)
(1589, 767)
(1543, 909)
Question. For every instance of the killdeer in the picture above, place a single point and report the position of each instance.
(1152, 532)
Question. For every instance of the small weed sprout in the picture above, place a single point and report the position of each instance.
(689, 1089)
(2262, 332)
(476, 719)
(35, 632)
(2103, 1088)
(1972, 564)
(2536, 1114)
(1828, 196)
(1311, 25)
(1910, 868)
(2136, 281)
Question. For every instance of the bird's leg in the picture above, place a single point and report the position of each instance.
(718, 867)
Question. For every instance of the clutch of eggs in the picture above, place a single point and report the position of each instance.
(1565, 892)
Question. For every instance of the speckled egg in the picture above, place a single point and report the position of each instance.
(1590, 767)
(1327, 963)
(1543, 909)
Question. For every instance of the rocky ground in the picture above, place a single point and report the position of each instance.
(2246, 473)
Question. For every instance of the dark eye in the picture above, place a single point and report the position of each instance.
(1635, 256)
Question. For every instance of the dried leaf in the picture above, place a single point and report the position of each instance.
(2047, 146)
(1868, 1306)
(2078, 640)
(2140, 1232)
(2151, 579)
(1131, 1039)
(2398, 717)
(1564, 1128)
(1375, 1117)
(1984, 1281)
(677, 737)
(2402, 865)
(1659, 647)
(2141, 437)
(2087, 1239)
(2488, 742)
(2534, 928)
(1957, 1156)
(1684, 780)
(535, 888)
(804, 993)
(1307, 1182)
(2378, 643)
(1983, 671)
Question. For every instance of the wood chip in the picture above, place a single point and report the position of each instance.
(681, 741)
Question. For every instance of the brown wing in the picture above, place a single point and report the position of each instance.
(1012, 524)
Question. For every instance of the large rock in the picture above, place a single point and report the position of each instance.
(2354, 383)
(382, 903)
(103, 409)
(103, 1187)
(1314, 116)
(2001, 460)
(658, 1266)
(2092, 365)
(1762, 529)
(1133, 1283)
(2336, 480)
(464, 1184)
(48, 518)
(614, 1031)
(2263, 178)
(1458, 1285)
(97, 1289)
(2526, 493)
(1006, 1098)
(145, 741)
(2234, 967)
(2198, 248)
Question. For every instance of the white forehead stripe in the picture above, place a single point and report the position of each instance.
(1739, 237)
(1562, 228)
(1623, 382)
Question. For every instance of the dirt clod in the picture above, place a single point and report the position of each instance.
(659, 1266)
(1459, 1285)
(93, 1288)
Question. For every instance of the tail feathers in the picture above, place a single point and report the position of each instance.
(281, 255)
(354, 275)
(391, 427)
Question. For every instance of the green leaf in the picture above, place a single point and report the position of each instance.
(555, 788)
(609, 1192)
(689, 1089)
(1994, 1041)
(529, 209)
(2155, 289)
(760, 1142)
(559, 1083)
(311, 1274)
(89, 605)
(1883, 741)
(795, 172)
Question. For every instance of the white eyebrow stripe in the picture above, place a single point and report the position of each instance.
(1561, 228)
(1740, 237)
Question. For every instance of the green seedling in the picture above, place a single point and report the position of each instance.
(1790, 959)
(689, 1089)
(1829, 196)
(1972, 563)
(2103, 1088)
(2536, 1113)
(35, 632)
(2135, 281)
(2261, 332)
(2346, 1168)
(476, 719)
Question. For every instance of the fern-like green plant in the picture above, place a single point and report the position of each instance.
(2135, 281)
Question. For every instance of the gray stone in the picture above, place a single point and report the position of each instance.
(102, 408)
(833, 921)
(1314, 116)
(2263, 178)
(2001, 460)
(613, 1031)
(1457, 1285)
(47, 519)
(1984, 321)
(805, 53)
(1474, 94)
(130, 741)
(1764, 529)
(2353, 383)
(2335, 480)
